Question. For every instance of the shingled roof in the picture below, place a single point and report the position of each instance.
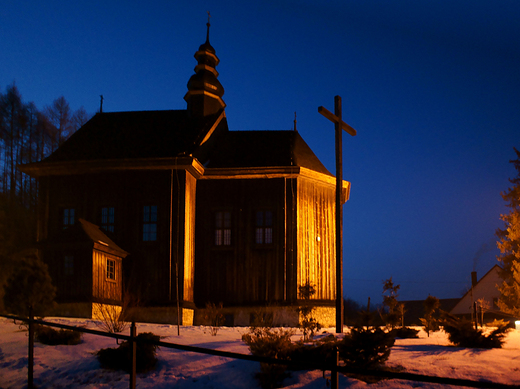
(135, 134)
(84, 232)
(256, 149)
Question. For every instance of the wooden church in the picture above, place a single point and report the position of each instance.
(177, 210)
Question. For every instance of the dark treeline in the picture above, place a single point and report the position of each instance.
(29, 135)
(26, 135)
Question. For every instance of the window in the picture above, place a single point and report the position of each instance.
(68, 217)
(149, 223)
(111, 269)
(68, 262)
(264, 227)
(222, 228)
(107, 219)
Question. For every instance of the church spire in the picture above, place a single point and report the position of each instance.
(205, 92)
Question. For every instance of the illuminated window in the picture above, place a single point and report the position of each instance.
(264, 227)
(67, 217)
(222, 228)
(149, 223)
(68, 262)
(107, 219)
(111, 269)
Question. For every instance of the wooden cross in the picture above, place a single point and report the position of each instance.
(339, 125)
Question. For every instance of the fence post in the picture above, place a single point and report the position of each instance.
(30, 363)
(133, 345)
(334, 375)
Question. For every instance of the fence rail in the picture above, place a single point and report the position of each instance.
(332, 367)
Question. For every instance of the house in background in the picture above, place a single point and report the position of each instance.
(485, 294)
(197, 213)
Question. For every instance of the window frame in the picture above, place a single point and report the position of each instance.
(149, 223)
(67, 217)
(68, 265)
(263, 231)
(108, 221)
(110, 269)
(222, 230)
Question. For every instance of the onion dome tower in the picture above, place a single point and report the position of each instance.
(205, 92)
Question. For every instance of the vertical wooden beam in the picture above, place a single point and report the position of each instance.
(133, 346)
(30, 363)
(339, 215)
(334, 374)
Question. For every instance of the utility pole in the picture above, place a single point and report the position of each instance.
(339, 125)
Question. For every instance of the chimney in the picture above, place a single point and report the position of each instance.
(473, 278)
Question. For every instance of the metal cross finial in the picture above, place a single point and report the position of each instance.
(208, 24)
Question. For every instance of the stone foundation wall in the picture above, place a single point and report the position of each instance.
(281, 316)
(326, 316)
(106, 312)
(83, 310)
(160, 315)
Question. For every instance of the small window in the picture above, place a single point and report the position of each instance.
(264, 227)
(222, 228)
(149, 223)
(107, 218)
(68, 217)
(111, 269)
(68, 262)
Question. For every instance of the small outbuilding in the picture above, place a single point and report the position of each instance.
(86, 267)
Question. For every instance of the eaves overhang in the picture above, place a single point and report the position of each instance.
(61, 168)
(274, 172)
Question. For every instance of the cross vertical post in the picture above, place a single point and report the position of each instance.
(339, 125)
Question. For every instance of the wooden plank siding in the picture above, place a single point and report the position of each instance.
(76, 285)
(189, 238)
(316, 237)
(243, 272)
(146, 272)
(103, 289)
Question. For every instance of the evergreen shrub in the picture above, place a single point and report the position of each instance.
(29, 285)
(462, 333)
(366, 348)
(272, 343)
(51, 336)
(120, 358)
(404, 333)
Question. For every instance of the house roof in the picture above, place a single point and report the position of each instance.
(258, 149)
(134, 134)
(86, 232)
(414, 309)
(485, 288)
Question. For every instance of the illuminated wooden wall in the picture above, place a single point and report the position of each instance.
(189, 237)
(316, 234)
(102, 288)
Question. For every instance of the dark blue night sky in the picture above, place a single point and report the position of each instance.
(432, 88)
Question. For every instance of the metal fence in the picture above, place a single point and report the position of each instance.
(333, 367)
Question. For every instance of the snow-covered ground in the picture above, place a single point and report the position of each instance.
(77, 366)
